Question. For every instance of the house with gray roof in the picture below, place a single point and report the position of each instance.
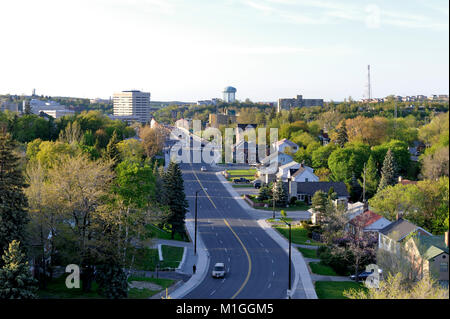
(393, 235)
(429, 255)
(306, 190)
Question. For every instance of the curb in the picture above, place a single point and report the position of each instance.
(160, 252)
(183, 260)
(300, 267)
(202, 265)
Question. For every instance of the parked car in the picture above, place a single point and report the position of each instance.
(362, 276)
(257, 183)
(218, 270)
(241, 180)
(203, 168)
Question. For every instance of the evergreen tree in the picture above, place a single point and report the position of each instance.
(371, 177)
(27, 109)
(13, 216)
(388, 171)
(175, 198)
(16, 280)
(112, 151)
(319, 201)
(290, 117)
(279, 194)
(264, 193)
(342, 136)
(112, 281)
(272, 114)
(356, 189)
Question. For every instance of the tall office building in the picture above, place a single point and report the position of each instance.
(132, 104)
(299, 101)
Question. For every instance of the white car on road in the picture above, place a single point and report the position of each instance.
(218, 270)
(203, 169)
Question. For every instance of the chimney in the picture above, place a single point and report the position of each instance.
(446, 239)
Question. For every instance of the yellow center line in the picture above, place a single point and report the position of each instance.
(237, 237)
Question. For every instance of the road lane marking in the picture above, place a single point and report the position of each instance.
(248, 258)
(266, 250)
(270, 285)
(212, 293)
(234, 233)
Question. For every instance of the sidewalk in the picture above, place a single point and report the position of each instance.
(201, 261)
(329, 278)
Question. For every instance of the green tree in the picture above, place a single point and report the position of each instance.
(371, 177)
(394, 287)
(112, 281)
(264, 193)
(388, 171)
(319, 201)
(112, 152)
(341, 136)
(16, 280)
(13, 202)
(175, 198)
(279, 194)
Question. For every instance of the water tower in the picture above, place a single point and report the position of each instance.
(229, 94)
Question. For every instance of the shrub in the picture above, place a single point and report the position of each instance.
(293, 200)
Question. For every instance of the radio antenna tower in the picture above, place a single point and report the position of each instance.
(369, 89)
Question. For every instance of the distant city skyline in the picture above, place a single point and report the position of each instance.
(190, 50)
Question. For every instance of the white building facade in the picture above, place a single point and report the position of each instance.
(132, 104)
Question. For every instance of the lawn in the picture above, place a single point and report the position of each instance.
(242, 172)
(135, 293)
(335, 289)
(172, 256)
(291, 208)
(56, 289)
(147, 258)
(308, 253)
(155, 232)
(319, 268)
(299, 235)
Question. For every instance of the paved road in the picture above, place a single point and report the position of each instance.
(257, 266)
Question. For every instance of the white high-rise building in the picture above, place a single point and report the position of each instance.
(132, 104)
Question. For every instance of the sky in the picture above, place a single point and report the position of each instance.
(189, 50)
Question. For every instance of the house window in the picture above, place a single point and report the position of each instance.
(444, 267)
(306, 179)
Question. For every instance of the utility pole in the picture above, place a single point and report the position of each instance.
(289, 276)
(368, 83)
(364, 189)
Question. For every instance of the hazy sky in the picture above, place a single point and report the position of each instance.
(189, 50)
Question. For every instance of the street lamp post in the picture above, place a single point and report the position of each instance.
(290, 241)
(195, 226)
(273, 207)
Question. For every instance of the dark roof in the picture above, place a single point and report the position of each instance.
(244, 126)
(431, 246)
(296, 172)
(310, 188)
(399, 229)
